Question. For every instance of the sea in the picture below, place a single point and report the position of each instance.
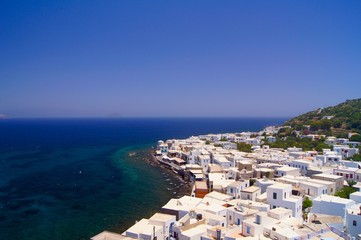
(73, 178)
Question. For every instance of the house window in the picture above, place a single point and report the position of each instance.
(354, 223)
(230, 217)
(274, 195)
(248, 230)
(285, 195)
(231, 190)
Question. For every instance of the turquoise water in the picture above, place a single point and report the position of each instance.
(71, 179)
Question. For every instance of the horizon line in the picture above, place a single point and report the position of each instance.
(147, 117)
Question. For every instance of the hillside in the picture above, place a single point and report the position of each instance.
(335, 120)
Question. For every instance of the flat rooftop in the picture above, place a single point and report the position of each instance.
(329, 176)
(201, 185)
(329, 198)
(110, 236)
(162, 217)
(251, 189)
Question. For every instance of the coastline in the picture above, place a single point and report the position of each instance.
(147, 155)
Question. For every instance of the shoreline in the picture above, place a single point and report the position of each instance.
(148, 156)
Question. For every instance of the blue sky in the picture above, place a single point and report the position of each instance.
(177, 58)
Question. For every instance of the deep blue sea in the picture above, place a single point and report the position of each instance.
(73, 178)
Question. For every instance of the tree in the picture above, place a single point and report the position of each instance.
(351, 183)
(306, 203)
(244, 147)
(337, 124)
(356, 157)
(345, 192)
(325, 124)
(356, 138)
(252, 181)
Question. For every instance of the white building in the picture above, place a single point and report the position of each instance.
(263, 184)
(237, 213)
(234, 189)
(280, 195)
(356, 196)
(250, 193)
(222, 161)
(346, 172)
(353, 220)
(287, 171)
(338, 180)
(330, 158)
(165, 221)
(313, 189)
(301, 164)
(203, 161)
(345, 151)
(331, 205)
(144, 230)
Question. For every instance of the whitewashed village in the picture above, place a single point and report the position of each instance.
(260, 194)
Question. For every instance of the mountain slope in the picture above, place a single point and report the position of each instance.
(337, 120)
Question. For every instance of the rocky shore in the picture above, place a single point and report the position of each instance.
(147, 155)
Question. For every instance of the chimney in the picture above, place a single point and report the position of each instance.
(218, 234)
(258, 219)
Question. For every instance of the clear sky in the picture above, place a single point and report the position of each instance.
(177, 58)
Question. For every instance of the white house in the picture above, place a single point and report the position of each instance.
(234, 189)
(250, 193)
(301, 164)
(144, 230)
(346, 172)
(313, 189)
(280, 195)
(222, 161)
(237, 213)
(353, 220)
(162, 147)
(263, 184)
(165, 221)
(327, 158)
(356, 196)
(203, 160)
(345, 151)
(331, 205)
(287, 171)
(338, 180)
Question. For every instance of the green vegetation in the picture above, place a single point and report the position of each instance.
(244, 147)
(356, 138)
(252, 181)
(340, 119)
(305, 143)
(345, 192)
(306, 203)
(356, 157)
(208, 142)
